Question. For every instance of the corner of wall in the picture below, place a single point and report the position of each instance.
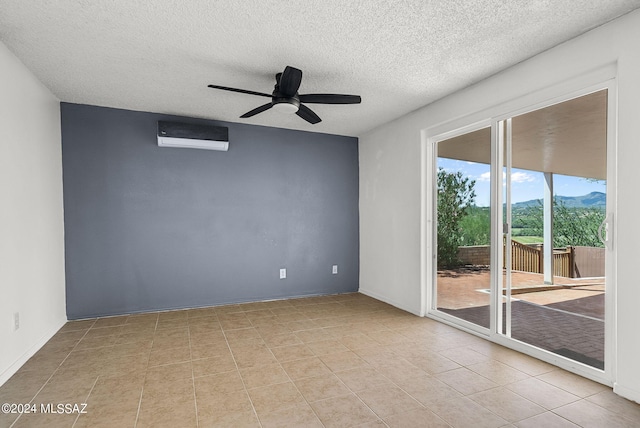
(32, 228)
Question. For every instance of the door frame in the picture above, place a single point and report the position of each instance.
(602, 78)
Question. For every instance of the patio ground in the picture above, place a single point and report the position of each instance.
(566, 318)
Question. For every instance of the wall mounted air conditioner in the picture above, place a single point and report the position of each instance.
(186, 135)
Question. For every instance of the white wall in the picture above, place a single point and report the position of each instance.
(31, 214)
(390, 176)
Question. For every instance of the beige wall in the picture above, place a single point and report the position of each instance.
(31, 214)
(391, 173)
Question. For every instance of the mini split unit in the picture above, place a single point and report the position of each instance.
(190, 136)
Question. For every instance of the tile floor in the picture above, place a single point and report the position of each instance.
(333, 361)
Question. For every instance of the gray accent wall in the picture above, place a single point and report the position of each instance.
(150, 228)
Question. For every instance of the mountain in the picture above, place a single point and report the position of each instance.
(591, 200)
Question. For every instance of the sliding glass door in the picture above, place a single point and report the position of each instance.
(526, 257)
(555, 205)
(463, 227)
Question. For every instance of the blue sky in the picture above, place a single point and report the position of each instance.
(526, 185)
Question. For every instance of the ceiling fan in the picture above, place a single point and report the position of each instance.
(285, 97)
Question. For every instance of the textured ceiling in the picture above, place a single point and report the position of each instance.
(399, 55)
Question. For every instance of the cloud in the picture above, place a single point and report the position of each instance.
(486, 176)
(522, 177)
(516, 177)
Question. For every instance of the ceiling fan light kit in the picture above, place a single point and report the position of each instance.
(286, 106)
(285, 97)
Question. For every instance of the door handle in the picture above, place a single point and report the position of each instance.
(604, 227)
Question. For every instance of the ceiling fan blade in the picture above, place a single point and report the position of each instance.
(330, 99)
(307, 114)
(257, 110)
(290, 81)
(242, 91)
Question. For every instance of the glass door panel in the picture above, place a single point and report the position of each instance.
(463, 230)
(555, 204)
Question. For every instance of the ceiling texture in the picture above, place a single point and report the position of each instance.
(399, 55)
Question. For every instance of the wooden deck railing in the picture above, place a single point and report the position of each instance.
(525, 258)
(529, 258)
(563, 264)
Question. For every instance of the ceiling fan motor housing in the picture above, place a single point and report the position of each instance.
(285, 104)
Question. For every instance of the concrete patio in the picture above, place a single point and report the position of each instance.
(566, 318)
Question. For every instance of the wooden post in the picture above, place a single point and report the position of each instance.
(572, 264)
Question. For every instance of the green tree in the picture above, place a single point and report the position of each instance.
(456, 195)
(571, 226)
(476, 226)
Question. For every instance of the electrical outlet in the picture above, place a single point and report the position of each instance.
(16, 321)
(334, 269)
(283, 273)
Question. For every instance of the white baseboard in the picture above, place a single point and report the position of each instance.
(628, 393)
(389, 301)
(13, 368)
